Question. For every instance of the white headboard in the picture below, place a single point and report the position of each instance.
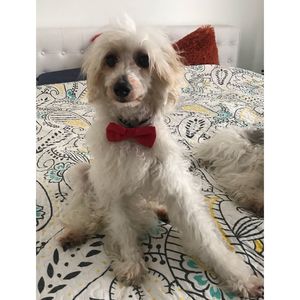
(63, 48)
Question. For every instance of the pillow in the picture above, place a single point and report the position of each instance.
(69, 75)
(198, 47)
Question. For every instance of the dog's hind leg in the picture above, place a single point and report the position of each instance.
(187, 211)
(79, 218)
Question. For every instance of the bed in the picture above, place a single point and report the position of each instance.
(213, 97)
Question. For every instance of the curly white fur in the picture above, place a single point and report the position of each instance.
(235, 157)
(111, 193)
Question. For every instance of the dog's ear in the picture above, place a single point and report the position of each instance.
(91, 69)
(170, 69)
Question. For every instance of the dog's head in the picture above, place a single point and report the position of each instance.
(133, 71)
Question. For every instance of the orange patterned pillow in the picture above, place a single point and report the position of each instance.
(198, 47)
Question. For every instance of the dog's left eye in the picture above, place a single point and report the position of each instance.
(142, 60)
(111, 60)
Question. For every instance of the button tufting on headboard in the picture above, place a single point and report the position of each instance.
(63, 48)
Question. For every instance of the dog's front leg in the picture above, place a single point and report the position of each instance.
(187, 211)
(122, 245)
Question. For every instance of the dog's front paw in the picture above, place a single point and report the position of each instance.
(130, 273)
(249, 288)
(254, 286)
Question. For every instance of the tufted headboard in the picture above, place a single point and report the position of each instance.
(63, 48)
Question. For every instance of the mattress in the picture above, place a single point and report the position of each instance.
(213, 97)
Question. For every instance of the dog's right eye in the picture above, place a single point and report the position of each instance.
(142, 60)
(111, 60)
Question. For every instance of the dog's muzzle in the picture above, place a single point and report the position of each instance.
(122, 89)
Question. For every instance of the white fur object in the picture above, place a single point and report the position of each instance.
(111, 194)
(235, 158)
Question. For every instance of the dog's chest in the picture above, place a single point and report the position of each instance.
(125, 164)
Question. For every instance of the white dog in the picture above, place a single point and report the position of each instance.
(132, 77)
(235, 158)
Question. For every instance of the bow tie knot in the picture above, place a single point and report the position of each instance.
(143, 135)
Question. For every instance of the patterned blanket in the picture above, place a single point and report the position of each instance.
(213, 97)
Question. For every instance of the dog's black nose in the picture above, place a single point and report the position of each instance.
(122, 88)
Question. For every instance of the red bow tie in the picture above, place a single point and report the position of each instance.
(143, 135)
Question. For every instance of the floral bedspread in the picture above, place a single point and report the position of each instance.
(213, 97)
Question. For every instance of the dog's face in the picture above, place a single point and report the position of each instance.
(132, 73)
(126, 74)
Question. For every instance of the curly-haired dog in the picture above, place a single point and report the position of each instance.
(235, 158)
(132, 77)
